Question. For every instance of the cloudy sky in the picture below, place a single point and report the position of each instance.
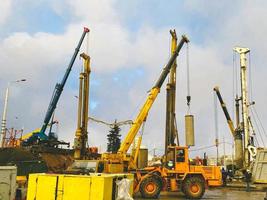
(129, 43)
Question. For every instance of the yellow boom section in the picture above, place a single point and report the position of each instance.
(150, 100)
(139, 120)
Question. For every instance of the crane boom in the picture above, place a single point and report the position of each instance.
(59, 86)
(150, 100)
(236, 132)
(225, 111)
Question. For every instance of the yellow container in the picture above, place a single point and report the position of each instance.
(70, 187)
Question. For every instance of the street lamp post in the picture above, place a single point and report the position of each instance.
(3, 125)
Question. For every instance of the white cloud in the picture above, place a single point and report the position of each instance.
(42, 59)
(5, 10)
(94, 10)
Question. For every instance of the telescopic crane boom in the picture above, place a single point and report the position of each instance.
(121, 160)
(236, 132)
(59, 86)
(225, 111)
(58, 91)
(150, 100)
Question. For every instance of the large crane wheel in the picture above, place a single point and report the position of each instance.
(193, 187)
(150, 187)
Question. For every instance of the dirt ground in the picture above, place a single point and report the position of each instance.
(217, 194)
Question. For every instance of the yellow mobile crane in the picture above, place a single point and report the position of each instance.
(121, 161)
(176, 172)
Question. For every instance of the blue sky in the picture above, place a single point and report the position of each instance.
(129, 44)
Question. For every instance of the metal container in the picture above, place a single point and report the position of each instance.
(70, 187)
(189, 130)
(142, 160)
(8, 182)
(259, 171)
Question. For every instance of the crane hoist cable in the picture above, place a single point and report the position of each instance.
(258, 132)
(254, 108)
(188, 97)
(250, 84)
(235, 84)
(254, 115)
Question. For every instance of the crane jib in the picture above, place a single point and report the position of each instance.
(150, 100)
(166, 70)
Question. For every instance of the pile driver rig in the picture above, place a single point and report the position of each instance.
(245, 150)
(81, 135)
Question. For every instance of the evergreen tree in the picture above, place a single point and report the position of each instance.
(114, 140)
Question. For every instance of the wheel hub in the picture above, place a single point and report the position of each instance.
(194, 188)
(150, 188)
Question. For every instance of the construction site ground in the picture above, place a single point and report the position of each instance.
(218, 193)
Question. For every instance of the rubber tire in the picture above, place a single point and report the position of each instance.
(151, 179)
(188, 182)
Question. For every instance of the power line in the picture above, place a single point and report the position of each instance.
(259, 131)
(201, 148)
(254, 108)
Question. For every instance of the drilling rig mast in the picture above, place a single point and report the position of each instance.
(81, 135)
(245, 102)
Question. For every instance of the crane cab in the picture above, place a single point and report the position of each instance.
(177, 159)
